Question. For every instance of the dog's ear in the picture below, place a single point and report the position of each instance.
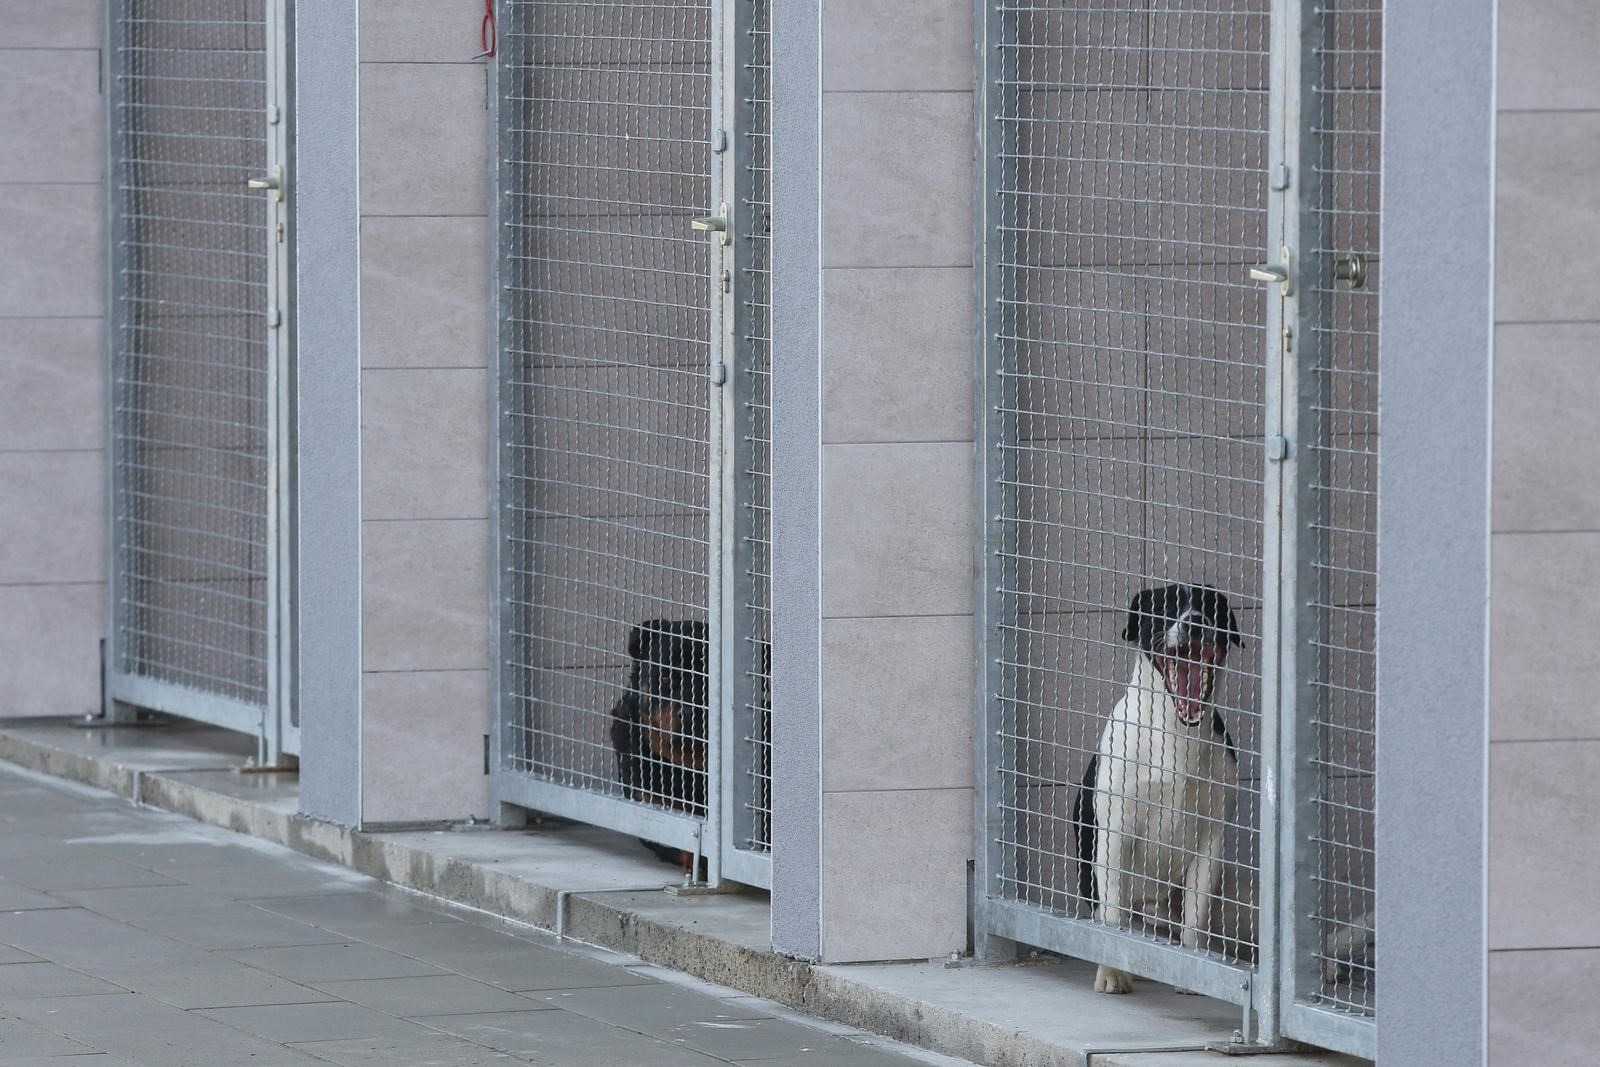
(1233, 629)
(1142, 608)
(636, 643)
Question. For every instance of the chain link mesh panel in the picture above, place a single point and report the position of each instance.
(1345, 110)
(1129, 347)
(190, 352)
(605, 525)
(753, 360)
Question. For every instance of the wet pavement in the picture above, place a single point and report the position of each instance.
(132, 936)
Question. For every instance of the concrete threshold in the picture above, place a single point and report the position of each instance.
(585, 883)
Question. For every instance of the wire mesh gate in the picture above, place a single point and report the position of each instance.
(1178, 236)
(197, 152)
(632, 391)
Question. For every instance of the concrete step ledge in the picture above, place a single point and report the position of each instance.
(1040, 1015)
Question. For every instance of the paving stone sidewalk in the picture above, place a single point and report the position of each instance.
(131, 936)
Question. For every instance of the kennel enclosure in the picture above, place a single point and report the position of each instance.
(198, 165)
(1179, 276)
(631, 370)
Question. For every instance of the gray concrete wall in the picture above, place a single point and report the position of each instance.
(897, 522)
(1544, 763)
(424, 413)
(52, 347)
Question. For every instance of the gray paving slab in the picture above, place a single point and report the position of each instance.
(652, 1009)
(354, 910)
(225, 985)
(742, 1039)
(295, 1023)
(249, 878)
(568, 1040)
(437, 1050)
(201, 917)
(19, 1037)
(151, 1033)
(15, 843)
(132, 903)
(49, 980)
(832, 1052)
(14, 897)
(78, 871)
(334, 963)
(10, 954)
(531, 969)
(92, 943)
(126, 951)
(408, 998)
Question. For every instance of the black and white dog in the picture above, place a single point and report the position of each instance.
(1159, 792)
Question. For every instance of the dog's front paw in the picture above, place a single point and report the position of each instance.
(1111, 980)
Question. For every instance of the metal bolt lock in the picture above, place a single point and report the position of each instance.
(1351, 269)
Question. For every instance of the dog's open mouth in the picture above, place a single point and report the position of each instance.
(1189, 676)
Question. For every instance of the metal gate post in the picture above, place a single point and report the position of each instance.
(733, 160)
(991, 797)
(503, 426)
(276, 727)
(115, 65)
(1281, 639)
(1312, 696)
(1299, 663)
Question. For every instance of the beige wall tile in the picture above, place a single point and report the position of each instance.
(897, 354)
(424, 139)
(422, 745)
(425, 595)
(424, 444)
(424, 292)
(51, 114)
(52, 519)
(897, 703)
(51, 258)
(52, 383)
(894, 874)
(1543, 865)
(897, 530)
(1546, 419)
(50, 649)
(897, 180)
(896, 45)
(1539, 627)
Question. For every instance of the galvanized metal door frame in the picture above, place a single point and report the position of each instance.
(740, 659)
(515, 793)
(1302, 212)
(1289, 955)
(269, 723)
(997, 918)
(729, 655)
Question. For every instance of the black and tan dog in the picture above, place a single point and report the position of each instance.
(658, 728)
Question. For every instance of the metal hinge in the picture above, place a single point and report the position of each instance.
(719, 373)
(274, 318)
(1277, 448)
(1280, 177)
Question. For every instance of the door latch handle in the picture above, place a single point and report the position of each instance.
(1273, 273)
(717, 224)
(273, 182)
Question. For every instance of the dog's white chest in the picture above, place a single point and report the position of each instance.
(1160, 783)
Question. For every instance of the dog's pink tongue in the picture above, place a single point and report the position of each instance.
(1187, 681)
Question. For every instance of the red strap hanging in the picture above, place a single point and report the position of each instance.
(488, 31)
